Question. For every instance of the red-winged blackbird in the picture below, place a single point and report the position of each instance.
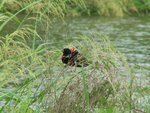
(72, 57)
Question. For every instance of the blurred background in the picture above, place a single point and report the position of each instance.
(33, 33)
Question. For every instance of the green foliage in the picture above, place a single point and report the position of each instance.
(86, 92)
(38, 78)
(33, 79)
(142, 5)
(78, 7)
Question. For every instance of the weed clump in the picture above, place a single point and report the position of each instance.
(37, 81)
(100, 85)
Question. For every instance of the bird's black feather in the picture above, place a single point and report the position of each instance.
(73, 58)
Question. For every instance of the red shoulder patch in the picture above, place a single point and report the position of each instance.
(72, 50)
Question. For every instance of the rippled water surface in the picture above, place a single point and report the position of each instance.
(130, 35)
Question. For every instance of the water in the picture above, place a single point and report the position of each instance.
(130, 35)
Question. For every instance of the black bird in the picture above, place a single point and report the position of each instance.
(72, 57)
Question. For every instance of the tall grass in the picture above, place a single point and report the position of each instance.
(33, 79)
(36, 81)
(80, 7)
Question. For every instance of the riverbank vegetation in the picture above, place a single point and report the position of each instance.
(33, 79)
(80, 7)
